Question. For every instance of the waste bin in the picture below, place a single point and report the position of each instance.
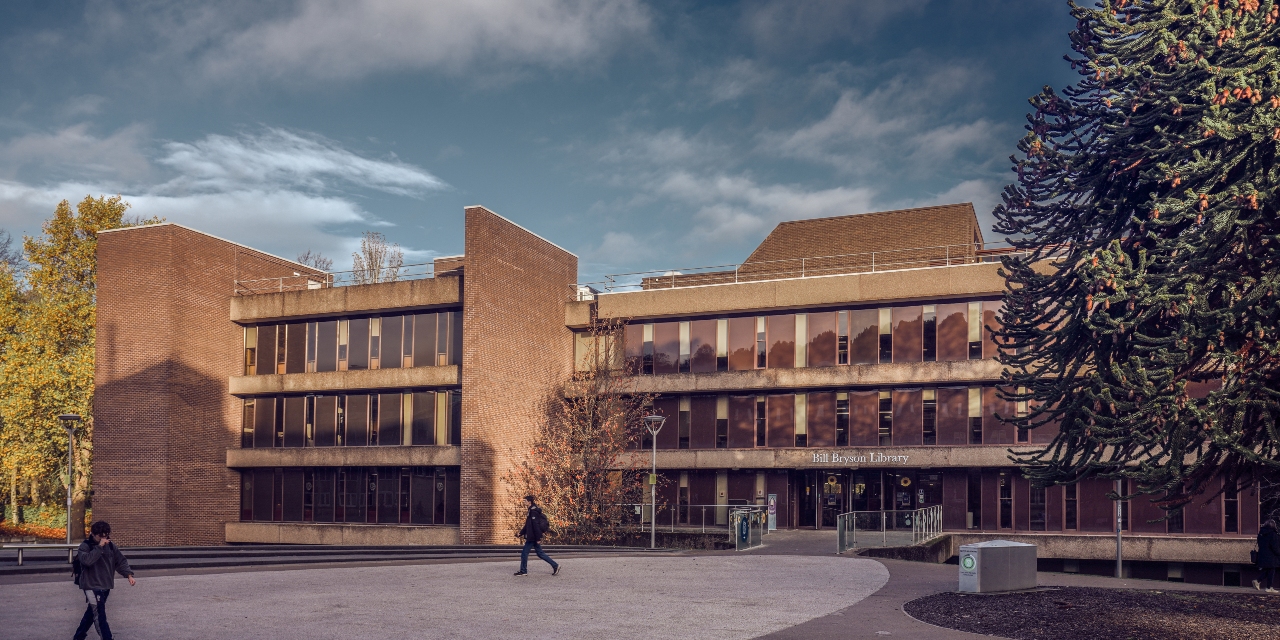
(997, 565)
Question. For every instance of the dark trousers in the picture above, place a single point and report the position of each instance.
(1268, 577)
(524, 555)
(95, 615)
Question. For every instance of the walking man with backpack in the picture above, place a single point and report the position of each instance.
(535, 525)
(96, 563)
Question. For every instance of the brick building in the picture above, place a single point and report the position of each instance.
(845, 366)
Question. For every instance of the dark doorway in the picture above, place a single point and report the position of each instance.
(807, 500)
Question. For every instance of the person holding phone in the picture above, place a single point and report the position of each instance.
(100, 560)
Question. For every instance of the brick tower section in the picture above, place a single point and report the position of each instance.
(163, 419)
(516, 353)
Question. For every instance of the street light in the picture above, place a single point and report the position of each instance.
(69, 421)
(1119, 529)
(654, 425)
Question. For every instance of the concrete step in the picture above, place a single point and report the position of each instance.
(154, 558)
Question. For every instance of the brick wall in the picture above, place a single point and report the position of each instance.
(162, 416)
(516, 351)
(131, 369)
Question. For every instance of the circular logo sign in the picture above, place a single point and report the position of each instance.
(967, 562)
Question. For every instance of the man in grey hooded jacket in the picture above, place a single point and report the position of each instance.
(100, 560)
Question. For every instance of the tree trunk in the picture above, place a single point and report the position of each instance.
(13, 498)
(77, 516)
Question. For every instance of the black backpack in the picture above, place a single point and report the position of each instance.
(76, 568)
(540, 521)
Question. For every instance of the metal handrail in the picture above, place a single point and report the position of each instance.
(925, 525)
(747, 526)
(688, 516)
(326, 279)
(797, 268)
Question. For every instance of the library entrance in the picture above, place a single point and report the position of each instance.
(826, 493)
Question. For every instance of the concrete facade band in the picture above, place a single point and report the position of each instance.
(843, 367)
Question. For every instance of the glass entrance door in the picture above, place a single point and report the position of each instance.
(900, 488)
(832, 495)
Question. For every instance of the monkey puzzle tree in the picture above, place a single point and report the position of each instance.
(1146, 206)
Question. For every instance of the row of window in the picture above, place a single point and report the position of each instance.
(367, 495)
(1069, 517)
(972, 498)
(915, 333)
(391, 418)
(902, 417)
(342, 344)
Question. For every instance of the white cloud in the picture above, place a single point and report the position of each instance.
(278, 191)
(734, 79)
(279, 222)
(86, 105)
(786, 24)
(662, 149)
(913, 120)
(325, 39)
(734, 208)
(286, 160)
(619, 247)
(74, 150)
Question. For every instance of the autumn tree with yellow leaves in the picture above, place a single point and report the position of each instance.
(47, 312)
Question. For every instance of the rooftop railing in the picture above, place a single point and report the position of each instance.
(323, 280)
(794, 268)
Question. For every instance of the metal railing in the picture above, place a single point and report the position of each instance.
(747, 526)
(300, 281)
(684, 517)
(887, 528)
(793, 268)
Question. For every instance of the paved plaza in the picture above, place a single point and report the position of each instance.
(710, 596)
(792, 588)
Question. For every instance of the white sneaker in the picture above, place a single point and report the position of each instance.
(1270, 590)
(1257, 585)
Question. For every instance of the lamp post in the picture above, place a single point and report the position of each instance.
(1119, 529)
(654, 425)
(69, 421)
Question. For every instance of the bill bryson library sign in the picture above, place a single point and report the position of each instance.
(853, 457)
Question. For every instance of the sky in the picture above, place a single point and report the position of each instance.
(637, 135)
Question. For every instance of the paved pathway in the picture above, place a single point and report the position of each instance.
(880, 615)
(710, 596)
(794, 587)
(877, 616)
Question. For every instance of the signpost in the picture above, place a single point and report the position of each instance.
(773, 512)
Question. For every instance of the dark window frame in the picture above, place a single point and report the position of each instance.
(1005, 485)
(929, 416)
(884, 422)
(762, 422)
(929, 335)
